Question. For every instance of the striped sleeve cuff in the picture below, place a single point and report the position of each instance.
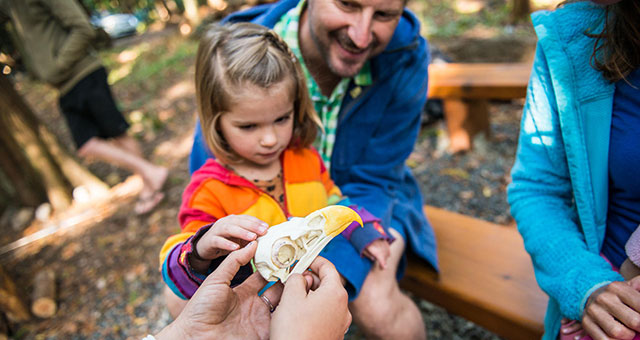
(177, 271)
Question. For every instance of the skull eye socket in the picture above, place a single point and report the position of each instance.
(284, 252)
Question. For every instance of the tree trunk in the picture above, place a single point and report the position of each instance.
(191, 13)
(162, 9)
(4, 328)
(10, 303)
(521, 10)
(19, 174)
(7, 193)
(44, 159)
(20, 123)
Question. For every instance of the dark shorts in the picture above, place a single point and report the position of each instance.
(90, 110)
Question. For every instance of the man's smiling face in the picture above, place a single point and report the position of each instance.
(346, 33)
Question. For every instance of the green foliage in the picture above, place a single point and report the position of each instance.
(441, 18)
(145, 70)
(154, 63)
(140, 8)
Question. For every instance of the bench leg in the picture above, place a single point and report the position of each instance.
(465, 118)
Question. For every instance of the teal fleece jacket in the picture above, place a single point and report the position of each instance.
(559, 192)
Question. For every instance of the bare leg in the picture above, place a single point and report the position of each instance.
(129, 143)
(175, 305)
(153, 176)
(381, 310)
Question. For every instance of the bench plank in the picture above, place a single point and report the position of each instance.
(486, 276)
(466, 90)
(479, 81)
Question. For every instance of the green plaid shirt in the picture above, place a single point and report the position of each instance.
(327, 107)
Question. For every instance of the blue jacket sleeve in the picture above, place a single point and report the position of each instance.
(199, 152)
(541, 200)
(371, 230)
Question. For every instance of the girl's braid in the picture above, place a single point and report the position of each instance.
(278, 42)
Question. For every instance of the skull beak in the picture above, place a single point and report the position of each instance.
(338, 218)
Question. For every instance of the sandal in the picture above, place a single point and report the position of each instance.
(147, 203)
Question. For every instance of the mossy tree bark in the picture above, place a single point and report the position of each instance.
(34, 160)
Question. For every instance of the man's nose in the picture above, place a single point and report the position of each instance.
(360, 31)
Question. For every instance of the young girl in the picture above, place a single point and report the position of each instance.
(259, 122)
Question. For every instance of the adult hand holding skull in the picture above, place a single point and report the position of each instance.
(314, 305)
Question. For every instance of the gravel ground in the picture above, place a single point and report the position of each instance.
(472, 183)
(108, 283)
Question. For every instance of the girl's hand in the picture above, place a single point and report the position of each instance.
(378, 251)
(612, 311)
(228, 234)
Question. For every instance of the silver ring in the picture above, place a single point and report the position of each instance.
(268, 302)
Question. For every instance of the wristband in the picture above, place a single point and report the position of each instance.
(194, 248)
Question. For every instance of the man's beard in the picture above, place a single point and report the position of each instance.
(342, 39)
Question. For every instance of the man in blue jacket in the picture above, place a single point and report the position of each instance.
(366, 67)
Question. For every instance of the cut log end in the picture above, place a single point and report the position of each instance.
(44, 308)
(43, 303)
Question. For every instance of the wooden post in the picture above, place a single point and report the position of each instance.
(465, 118)
(10, 303)
(43, 301)
(521, 10)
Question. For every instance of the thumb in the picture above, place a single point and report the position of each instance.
(230, 265)
(253, 283)
(295, 288)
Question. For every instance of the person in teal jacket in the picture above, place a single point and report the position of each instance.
(565, 189)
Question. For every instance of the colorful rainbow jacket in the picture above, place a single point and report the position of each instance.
(215, 192)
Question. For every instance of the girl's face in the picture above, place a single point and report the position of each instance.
(260, 123)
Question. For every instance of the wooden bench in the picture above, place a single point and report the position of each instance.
(485, 276)
(466, 90)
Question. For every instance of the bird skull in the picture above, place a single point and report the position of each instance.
(290, 247)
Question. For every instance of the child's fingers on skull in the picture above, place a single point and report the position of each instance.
(251, 223)
(233, 230)
(218, 242)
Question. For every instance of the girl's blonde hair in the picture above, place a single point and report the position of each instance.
(230, 56)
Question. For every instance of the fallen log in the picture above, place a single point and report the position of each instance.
(43, 299)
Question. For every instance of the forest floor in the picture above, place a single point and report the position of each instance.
(108, 282)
